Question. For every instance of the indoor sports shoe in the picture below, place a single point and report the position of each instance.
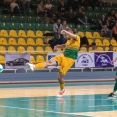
(111, 95)
(30, 66)
(61, 93)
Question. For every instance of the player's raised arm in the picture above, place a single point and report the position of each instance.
(69, 33)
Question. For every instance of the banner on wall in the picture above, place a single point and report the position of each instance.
(103, 59)
(85, 60)
(16, 61)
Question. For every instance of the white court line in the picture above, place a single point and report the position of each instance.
(64, 99)
(62, 113)
(102, 106)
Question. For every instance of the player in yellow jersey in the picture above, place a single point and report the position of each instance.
(65, 60)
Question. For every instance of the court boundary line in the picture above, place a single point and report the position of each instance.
(61, 113)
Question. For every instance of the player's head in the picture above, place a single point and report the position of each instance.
(66, 36)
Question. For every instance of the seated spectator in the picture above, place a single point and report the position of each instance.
(57, 25)
(27, 4)
(14, 7)
(40, 8)
(112, 15)
(21, 5)
(70, 16)
(75, 4)
(93, 47)
(75, 31)
(110, 23)
(116, 15)
(62, 9)
(59, 37)
(48, 7)
(102, 21)
(84, 3)
(110, 48)
(64, 25)
(115, 31)
(105, 32)
(80, 17)
(48, 20)
(100, 3)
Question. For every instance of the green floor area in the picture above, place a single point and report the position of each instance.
(54, 84)
(51, 106)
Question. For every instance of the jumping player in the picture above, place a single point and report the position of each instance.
(65, 60)
(112, 95)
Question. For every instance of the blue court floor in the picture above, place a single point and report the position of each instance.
(51, 106)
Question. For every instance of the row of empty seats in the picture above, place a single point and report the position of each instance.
(103, 42)
(39, 41)
(22, 41)
(39, 33)
(30, 49)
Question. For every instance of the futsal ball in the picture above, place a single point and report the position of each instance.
(1, 68)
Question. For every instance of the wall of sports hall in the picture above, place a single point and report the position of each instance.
(41, 76)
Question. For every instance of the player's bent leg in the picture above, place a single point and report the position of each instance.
(62, 84)
(41, 65)
(112, 95)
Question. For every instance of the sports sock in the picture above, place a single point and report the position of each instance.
(62, 86)
(115, 87)
(40, 65)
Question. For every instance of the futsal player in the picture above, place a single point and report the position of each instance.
(112, 95)
(65, 60)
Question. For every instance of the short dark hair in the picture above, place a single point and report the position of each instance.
(93, 44)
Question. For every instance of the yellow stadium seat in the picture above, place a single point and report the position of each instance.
(30, 41)
(97, 35)
(40, 59)
(113, 42)
(100, 49)
(98, 42)
(2, 59)
(12, 41)
(48, 49)
(39, 41)
(2, 50)
(89, 35)
(11, 49)
(39, 33)
(106, 42)
(21, 41)
(83, 49)
(32, 59)
(115, 49)
(40, 50)
(13, 33)
(30, 33)
(106, 48)
(3, 41)
(21, 49)
(4, 33)
(31, 50)
(90, 41)
(80, 33)
(22, 33)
